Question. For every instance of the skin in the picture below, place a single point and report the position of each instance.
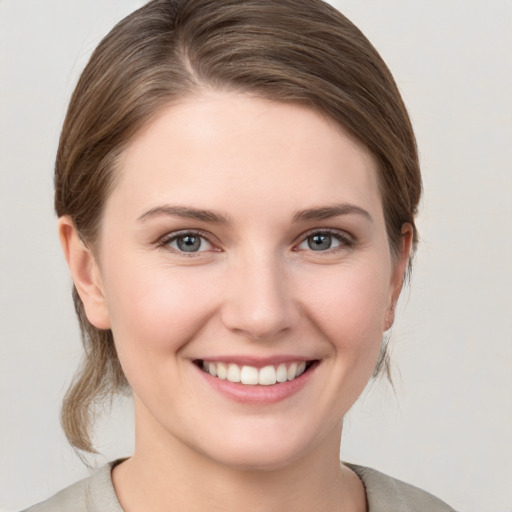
(254, 289)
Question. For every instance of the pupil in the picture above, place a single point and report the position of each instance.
(189, 243)
(320, 242)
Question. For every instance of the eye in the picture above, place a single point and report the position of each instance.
(187, 242)
(322, 241)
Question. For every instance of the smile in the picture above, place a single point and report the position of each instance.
(252, 376)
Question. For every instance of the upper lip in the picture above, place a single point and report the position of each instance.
(257, 362)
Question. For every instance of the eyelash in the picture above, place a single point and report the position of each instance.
(166, 240)
(345, 240)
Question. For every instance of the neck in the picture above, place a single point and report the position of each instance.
(166, 475)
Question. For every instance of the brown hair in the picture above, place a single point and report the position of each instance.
(301, 51)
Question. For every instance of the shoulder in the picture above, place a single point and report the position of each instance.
(387, 494)
(93, 494)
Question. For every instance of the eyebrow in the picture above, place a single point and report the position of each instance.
(327, 212)
(311, 214)
(184, 212)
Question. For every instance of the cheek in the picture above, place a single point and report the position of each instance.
(156, 310)
(349, 306)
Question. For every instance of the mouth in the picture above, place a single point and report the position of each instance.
(269, 375)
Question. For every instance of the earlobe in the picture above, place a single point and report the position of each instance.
(401, 261)
(390, 317)
(85, 273)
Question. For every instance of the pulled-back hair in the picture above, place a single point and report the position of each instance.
(297, 51)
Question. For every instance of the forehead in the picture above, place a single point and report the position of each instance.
(246, 150)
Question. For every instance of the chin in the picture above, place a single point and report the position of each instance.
(261, 451)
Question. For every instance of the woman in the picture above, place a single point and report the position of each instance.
(236, 185)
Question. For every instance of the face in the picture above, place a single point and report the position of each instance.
(244, 269)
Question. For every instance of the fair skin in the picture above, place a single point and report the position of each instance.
(241, 232)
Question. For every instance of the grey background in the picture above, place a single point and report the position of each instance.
(448, 429)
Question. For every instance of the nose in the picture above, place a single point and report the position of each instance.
(259, 302)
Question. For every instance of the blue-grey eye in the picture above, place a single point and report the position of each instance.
(188, 242)
(320, 241)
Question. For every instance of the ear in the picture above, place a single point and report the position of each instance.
(400, 262)
(85, 273)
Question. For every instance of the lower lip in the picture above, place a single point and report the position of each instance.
(258, 394)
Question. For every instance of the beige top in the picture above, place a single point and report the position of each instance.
(384, 494)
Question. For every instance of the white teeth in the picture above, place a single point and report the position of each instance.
(250, 375)
(267, 376)
(233, 373)
(281, 374)
(292, 371)
(222, 371)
